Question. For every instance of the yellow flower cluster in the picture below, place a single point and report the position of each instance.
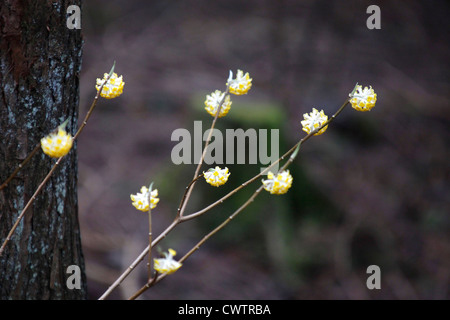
(141, 200)
(314, 120)
(237, 86)
(212, 103)
(279, 184)
(363, 99)
(167, 264)
(57, 144)
(241, 84)
(216, 177)
(112, 88)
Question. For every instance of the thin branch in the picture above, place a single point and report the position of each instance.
(181, 208)
(14, 227)
(179, 218)
(138, 259)
(149, 245)
(185, 193)
(20, 166)
(92, 107)
(221, 200)
(223, 224)
(200, 162)
(294, 150)
(158, 277)
(200, 243)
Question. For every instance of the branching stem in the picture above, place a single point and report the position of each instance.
(180, 218)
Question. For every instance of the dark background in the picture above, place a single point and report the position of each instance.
(372, 190)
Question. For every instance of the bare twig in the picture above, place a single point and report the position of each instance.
(14, 227)
(180, 218)
(294, 148)
(180, 211)
(138, 259)
(20, 166)
(201, 242)
(186, 191)
(200, 162)
(149, 267)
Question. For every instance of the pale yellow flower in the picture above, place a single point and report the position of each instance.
(57, 144)
(363, 99)
(141, 200)
(217, 176)
(167, 264)
(212, 103)
(279, 184)
(314, 120)
(241, 84)
(113, 88)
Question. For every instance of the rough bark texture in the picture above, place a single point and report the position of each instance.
(40, 60)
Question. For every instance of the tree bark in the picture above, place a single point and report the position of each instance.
(40, 61)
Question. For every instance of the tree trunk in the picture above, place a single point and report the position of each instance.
(40, 60)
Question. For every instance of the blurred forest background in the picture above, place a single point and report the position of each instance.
(373, 190)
